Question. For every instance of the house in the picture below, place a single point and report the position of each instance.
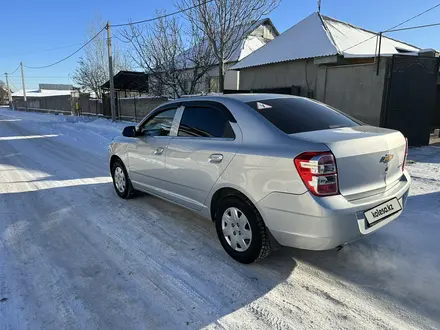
(3, 95)
(336, 62)
(295, 56)
(46, 97)
(257, 35)
(128, 83)
(132, 99)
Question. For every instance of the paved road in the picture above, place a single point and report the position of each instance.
(75, 256)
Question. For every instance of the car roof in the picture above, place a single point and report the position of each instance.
(245, 98)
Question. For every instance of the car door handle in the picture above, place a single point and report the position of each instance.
(215, 158)
(158, 151)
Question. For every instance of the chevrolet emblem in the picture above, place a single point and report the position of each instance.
(385, 159)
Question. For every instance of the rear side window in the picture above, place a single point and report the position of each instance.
(205, 122)
(296, 115)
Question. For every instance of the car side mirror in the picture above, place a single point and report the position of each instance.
(129, 131)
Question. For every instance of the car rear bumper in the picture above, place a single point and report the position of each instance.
(323, 223)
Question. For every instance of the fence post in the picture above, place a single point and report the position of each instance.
(118, 109)
(134, 100)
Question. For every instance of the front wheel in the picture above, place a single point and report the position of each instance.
(121, 182)
(241, 230)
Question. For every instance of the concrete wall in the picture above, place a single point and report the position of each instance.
(128, 108)
(285, 74)
(94, 107)
(354, 89)
(138, 108)
(232, 80)
(59, 102)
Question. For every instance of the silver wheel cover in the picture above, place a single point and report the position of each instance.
(120, 181)
(236, 229)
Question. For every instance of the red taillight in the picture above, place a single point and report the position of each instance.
(406, 155)
(318, 172)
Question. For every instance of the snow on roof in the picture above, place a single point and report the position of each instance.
(42, 93)
(317, 36)
(350, 40)
(308, 38)
(248, 45)
(251, 43)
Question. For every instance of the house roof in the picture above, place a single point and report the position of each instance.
(130, 81)
(248, 44)
(317, 36)
(41, 93)
(251, 43)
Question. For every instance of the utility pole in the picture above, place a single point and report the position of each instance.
(9, 91)
(110, 67)
(24, 87)
(319, 6)
(378, 54)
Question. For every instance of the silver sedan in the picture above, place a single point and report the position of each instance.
(268, 169)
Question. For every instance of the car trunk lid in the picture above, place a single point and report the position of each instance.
(368, 159)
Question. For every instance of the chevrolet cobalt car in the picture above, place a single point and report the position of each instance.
(267, 169)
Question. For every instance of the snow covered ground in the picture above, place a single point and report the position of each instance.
(75, 256)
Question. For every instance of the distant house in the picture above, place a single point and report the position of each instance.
(258, 35)
(128, 84)
(3, 95)
(46, 97)
(45, 90)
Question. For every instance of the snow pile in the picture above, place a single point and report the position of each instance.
(93, 134)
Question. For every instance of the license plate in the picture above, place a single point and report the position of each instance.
(382, 211)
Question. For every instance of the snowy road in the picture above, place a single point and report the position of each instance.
(75, 256)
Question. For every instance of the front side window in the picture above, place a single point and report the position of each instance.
(159, 125)
(205, 122)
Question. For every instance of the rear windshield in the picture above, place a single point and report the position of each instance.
(296, 115)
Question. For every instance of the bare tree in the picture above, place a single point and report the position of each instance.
(175, 57)
(225, 23)
(3, 92)
(92, 70)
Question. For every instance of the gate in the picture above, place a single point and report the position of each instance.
(106, 107)
(411, 97)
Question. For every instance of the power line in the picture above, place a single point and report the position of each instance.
(33, 77)
(389, 30)
(163, 16)
(13, 85)
(48, 49)
(414, 27)
(410, 19)
(114, 25)
(15, 70)
(359, 43)
(67, 57)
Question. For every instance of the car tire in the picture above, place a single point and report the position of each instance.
(121, 181)
(258, 247)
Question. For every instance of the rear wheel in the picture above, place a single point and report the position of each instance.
(241, 230)
(121, 182)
